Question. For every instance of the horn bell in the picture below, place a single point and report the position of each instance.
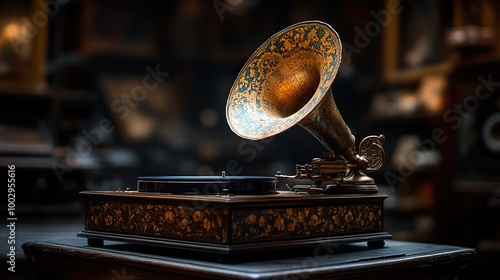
(286, 82)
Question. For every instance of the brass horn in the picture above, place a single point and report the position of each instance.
(287, 81)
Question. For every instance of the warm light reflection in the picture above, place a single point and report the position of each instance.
(11, 30)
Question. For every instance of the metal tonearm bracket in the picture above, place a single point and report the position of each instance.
(335, 170)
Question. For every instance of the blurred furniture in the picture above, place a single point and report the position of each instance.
(442, 149)
(74, 259)
(51, 113)
(474, 161)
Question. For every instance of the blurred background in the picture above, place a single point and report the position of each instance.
(94, 94)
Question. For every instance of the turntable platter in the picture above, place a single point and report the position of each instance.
(207, 184)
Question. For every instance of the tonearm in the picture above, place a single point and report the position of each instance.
(337, 171)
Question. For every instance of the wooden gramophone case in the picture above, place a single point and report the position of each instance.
(233, 223)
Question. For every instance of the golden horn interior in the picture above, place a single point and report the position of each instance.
(283, 83)
(290, 86)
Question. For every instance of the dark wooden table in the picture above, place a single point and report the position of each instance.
(74, 259)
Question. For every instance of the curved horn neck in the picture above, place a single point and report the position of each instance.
(327, 125)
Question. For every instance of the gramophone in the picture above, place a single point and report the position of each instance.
(285, 82)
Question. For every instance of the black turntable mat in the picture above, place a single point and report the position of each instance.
(207, 184)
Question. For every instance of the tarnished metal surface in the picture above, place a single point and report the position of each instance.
(284, 81)
(287, 82)
(371, 148)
